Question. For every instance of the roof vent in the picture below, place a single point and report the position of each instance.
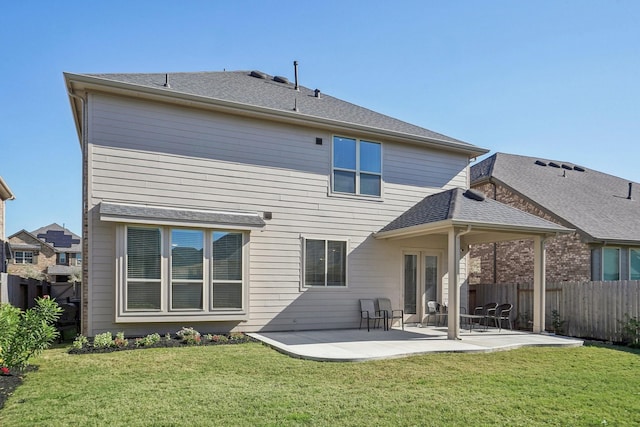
(567, 167)
(281, 79)
(316, 93)
(166, 81)
(258, 75)
(540, 163)
(630, 196)
(578, 168)
(474, 195)
(554, 165)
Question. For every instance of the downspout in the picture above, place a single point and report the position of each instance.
(84, 142)
(495, 245)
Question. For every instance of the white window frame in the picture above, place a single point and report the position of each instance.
(166, 313)
(303, 284)
(630, 251)
(357, 171)
(619, 264)
(22, 258)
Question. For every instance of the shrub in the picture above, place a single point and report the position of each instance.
(631, 331)
(150, 339)
(103, 340)
(24, 334)
(189, 336)
(219, 338)
(236, 336)
(80, 342)
(120, 341)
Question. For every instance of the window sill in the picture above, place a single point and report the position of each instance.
(356, 197)
(181, 317)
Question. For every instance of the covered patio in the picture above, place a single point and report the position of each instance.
(357, 345)
(465, 217)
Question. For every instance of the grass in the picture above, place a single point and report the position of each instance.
(250, 384)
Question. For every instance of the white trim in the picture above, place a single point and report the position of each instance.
(357, 194)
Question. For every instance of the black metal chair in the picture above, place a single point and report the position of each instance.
(368, 312)
(502, 313)
(487, 311)
(384, 306)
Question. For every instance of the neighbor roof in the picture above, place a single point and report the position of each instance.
(468, 207)
(241, 89)
(593, 202)
(5, 191)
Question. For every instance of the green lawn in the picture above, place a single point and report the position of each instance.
(250, 384)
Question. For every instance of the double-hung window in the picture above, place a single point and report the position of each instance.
(173, 272)
(23, 257)
(634, 264)
(610, 264)
(325, 263)
(357, 167)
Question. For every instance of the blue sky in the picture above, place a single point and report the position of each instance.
(554, 79)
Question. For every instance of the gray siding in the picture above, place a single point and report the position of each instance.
(143, 152)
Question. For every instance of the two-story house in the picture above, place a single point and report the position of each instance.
(243, 201)
(50, 253)
(5, 194)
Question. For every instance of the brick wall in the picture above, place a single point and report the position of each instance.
(45, 256)
(567, 257)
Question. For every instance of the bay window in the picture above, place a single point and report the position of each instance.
(171, 272)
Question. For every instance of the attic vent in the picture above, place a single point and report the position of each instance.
(540, 163)
(474, 195)
(554, 165)
(567, 167)
(281, 79)
(258, 75)
(578, 168)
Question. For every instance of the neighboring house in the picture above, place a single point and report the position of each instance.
(51, 253)
(5, 194)
(241, 201)
(604, 211)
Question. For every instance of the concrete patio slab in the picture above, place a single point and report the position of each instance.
(355, 345)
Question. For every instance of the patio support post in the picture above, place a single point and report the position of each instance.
(538, 285)
(453, 256)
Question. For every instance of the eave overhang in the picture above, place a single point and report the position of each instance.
(78, 84)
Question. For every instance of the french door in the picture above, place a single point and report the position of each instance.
(420, 280)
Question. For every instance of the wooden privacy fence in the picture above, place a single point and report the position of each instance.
(585, 309)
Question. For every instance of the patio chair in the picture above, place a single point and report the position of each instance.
(486, 310)
(369, 313)
(501, 313)
(433, 310)
(384, 306)
(67, 320)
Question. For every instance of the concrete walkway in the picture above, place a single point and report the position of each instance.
(354, 345)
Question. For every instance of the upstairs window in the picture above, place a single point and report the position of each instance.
(610, 264)
(62, 258)
(357, 167)
(23, 257)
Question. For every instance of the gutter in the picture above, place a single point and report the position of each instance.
(238, 108)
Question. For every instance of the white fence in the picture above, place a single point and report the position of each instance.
(587, 309)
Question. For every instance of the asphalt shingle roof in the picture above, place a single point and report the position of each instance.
(590, 201)
(463, 206)
(241, 87)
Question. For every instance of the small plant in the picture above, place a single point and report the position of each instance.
(120, 341)
(103, 340)
(80, 342)
(631, 331)
(149, 340)
(556, 322)
(167, 336)
(236, 336)
(219, 338)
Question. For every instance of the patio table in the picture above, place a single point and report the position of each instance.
(470, 318)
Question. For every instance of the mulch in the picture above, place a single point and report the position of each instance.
(8, 383)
